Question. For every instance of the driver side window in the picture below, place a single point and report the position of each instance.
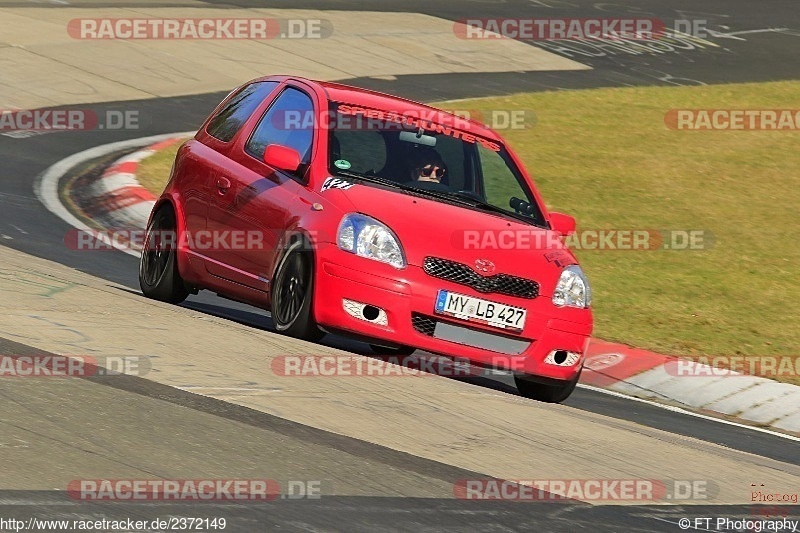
(289, 121)
(361, 151)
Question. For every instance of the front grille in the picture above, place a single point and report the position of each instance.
(464, 275)
(423, 324)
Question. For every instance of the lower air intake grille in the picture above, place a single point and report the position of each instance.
(423, 324)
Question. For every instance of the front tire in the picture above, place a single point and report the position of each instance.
(545, 392)
(291, 293)
(159, 277)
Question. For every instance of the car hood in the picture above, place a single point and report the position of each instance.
(458, 233)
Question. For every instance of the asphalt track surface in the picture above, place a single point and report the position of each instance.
(26, 226)
(130, 422)
(745, 41)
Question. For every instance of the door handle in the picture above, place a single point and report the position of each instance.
(223, 184)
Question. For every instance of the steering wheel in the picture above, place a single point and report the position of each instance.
(428, 186)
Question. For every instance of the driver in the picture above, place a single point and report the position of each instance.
(428, 166)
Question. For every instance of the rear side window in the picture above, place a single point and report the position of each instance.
(232, 117)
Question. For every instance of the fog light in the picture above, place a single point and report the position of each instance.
(562, 358)
(365, 312)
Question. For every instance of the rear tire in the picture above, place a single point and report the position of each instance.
(159, 277)
(291, 294)
(543, 392)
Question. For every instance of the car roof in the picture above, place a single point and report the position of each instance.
(339, 92)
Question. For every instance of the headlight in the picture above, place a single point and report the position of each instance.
(573, 289)
(365, 236)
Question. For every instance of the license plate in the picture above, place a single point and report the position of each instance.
(478, 310)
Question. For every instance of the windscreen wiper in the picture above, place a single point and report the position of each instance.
(474, 201)
(375, 179)
(461, 198)
(401, 186)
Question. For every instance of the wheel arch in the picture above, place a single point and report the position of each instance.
(289, 238)
(294, 241)
(182, 256)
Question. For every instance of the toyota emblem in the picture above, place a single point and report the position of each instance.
(484, 266)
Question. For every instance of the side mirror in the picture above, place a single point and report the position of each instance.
(563, 224)
(282, 157)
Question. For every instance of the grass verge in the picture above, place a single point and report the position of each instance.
(153, 172)
(606, 157)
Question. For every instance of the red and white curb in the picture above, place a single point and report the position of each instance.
(645, 374)
(119, 199)
(616, 369)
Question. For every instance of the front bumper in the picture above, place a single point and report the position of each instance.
(408, 296)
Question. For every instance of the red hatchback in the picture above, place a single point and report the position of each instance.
(349, 211)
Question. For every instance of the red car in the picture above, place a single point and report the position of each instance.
(350, 211)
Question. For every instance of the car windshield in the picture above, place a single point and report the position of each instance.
(440, 159)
